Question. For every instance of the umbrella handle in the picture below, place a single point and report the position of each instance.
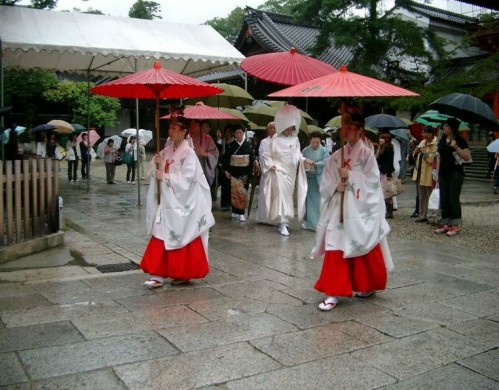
(344, 117)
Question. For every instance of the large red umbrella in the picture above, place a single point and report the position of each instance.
(202, 111)
(156, 83)
(286, 68)
(343, 84)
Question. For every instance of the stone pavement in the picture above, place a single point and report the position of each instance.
(252, 323)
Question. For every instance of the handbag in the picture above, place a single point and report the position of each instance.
(392, 187)
(434, 200)
(126, 158)
(118, 161)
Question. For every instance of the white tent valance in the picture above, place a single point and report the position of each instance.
(76, 42)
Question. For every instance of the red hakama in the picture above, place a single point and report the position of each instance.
(188, 262)
(341, 277)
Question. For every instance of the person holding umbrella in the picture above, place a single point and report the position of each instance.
(179, 225)
(356, 254)
(84, 155)
(72, 158)
(109, 160)
(453, 151)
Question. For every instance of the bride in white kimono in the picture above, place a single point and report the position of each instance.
(180, 224)
(356, 254)
(281, 158)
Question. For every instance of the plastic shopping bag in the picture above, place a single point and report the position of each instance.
(434, 201)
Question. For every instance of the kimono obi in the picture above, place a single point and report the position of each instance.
(240, 160)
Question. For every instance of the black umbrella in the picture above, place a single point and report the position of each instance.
(385, 121)
(44, 127)
(466, 108)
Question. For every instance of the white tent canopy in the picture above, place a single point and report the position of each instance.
(76, 42)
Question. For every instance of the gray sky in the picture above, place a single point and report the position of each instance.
(179, 11)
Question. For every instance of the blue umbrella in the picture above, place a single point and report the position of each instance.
(400, 133)
(493, 147)
(385, 121)
(44, 127)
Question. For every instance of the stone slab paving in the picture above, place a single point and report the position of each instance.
(252, 323)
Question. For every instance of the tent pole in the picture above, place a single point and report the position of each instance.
(138, 170)
(2, 123)
(88, 157)
(137, 173)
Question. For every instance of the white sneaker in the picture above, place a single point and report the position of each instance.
(128, 181)
(283, 229)
(133, 182)
(242, 218)
(304, 226)
(234, 215)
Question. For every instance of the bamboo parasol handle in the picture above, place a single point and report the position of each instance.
(156, 125)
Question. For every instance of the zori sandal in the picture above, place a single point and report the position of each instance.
(328, 304)
(153, 283)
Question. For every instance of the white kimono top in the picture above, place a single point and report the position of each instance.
(184, 212)
(364, 225)
(278, 186)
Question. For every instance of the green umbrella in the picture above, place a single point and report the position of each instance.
(232, 97)
(78, 128)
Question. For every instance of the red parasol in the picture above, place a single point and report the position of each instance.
(202, 111)
(286, 68)
(156, 83)
(343, 84)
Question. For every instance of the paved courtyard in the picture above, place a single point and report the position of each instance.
(253, 322)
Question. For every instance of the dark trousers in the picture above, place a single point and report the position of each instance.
(130, 169)
(85, 162)
(496, 180)
(450, 192)
(110, 170)
(72, 170)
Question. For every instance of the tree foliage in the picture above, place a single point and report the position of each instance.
(379, 40)
(143, 9)
(27, 84)
(103, 111)
(39, 4)
(230, 26)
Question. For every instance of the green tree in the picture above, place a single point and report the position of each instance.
(379, 40)
(26, 84)
(143, 9)
(39, 4)
(103, 111)
(230, 26)
(284, 7)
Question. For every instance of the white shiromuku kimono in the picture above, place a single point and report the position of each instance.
(184, 212)
(261, 211)
(364, 225)
(278, 186)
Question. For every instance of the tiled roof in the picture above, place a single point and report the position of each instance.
(222, 76)
(438, 13)
(278, 33)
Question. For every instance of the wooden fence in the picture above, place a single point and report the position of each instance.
(28, 200)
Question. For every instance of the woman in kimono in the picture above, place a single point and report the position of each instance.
(180, 223)
(237, 166)
(281, 160)
(356, 254)
(316, 155)
(384, 156)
